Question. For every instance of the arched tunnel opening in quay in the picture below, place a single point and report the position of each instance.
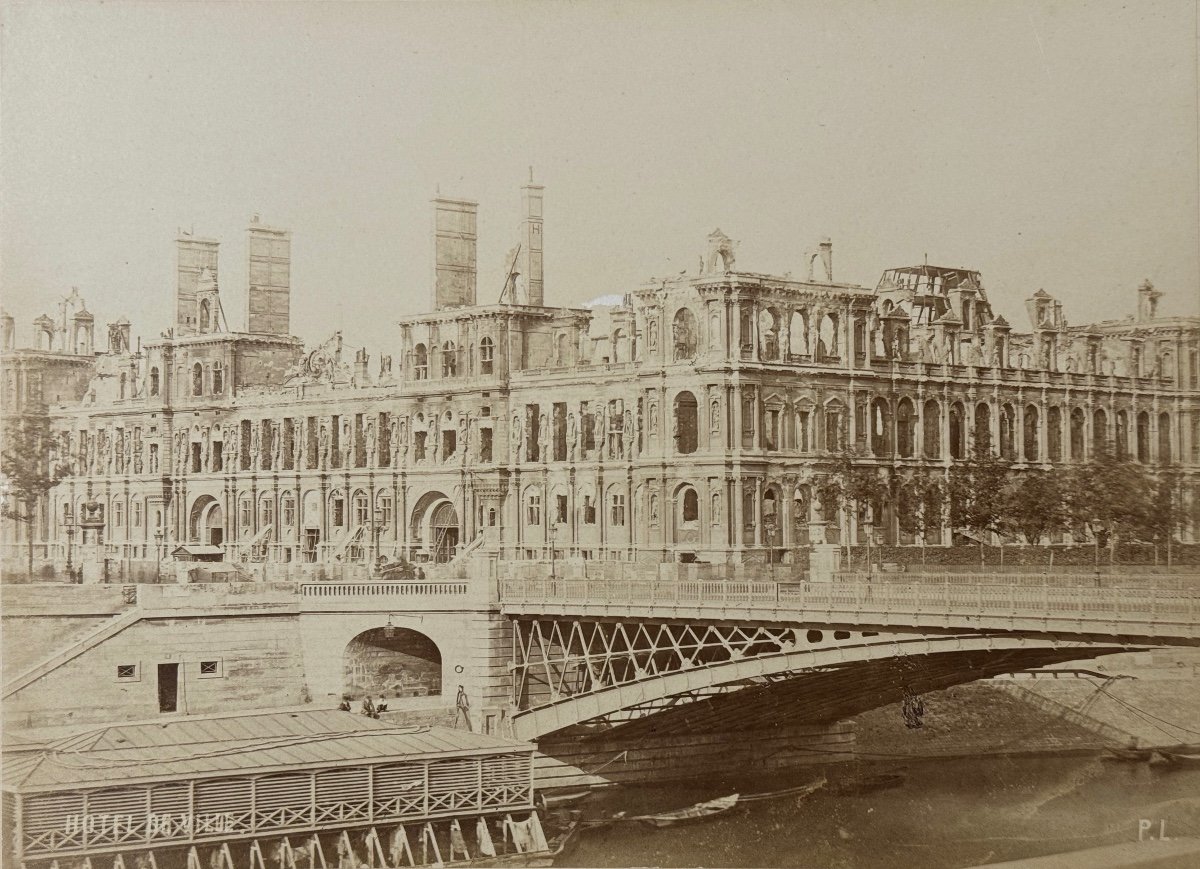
(391, 662)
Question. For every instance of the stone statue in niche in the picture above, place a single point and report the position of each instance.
(276, 446)
(255, 447)
(232, 442)
(400, 433)
(432, 447)
(600, 429)
(206, 449)
(299, 439)
(372, 446)
(515, 438)
(572, 436)
(324, 443)
(714, 416)
(347, 443)
(464, 433)
(653, 418)
(543, 439)
(627, 434)
(138, 460)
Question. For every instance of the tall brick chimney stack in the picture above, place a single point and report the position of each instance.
(530, 265)
(454, 243)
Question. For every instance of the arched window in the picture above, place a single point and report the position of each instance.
(287, 510)
(768, 334)
(218, 378)
(245, 513)
(197, 379)
(619, 349)
(266, 511)
(1099, 433)
(154, 380)
(486, 349)
(881, 428)
(449, 359)
(906, 424)
(685, 424)
(361, 508)
(827, 338)
(1008, 433)
(1143, 437)
(420, 363)
(957, 430)
(798, 333)
(383, 508)
(1078, 424)
(337, 509)
(982, 435)
(1164, 438)
(1031, 433)
(1122, 434)
(931, 434)
(691, 505)
(683, 332)
(1054, 439)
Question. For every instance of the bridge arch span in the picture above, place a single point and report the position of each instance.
(896, 661)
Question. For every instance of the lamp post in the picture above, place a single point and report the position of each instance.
(553, 533)
(69, 527)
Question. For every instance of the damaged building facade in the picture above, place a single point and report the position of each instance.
(694, 420)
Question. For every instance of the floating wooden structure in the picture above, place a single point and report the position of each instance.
(276, 790)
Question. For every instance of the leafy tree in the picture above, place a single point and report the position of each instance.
(1035, 503)
(853, 485)
(27, 470)
(1111, 495)
(976, 489)
(920, 501)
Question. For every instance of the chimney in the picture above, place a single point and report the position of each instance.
(530, 265)
(192, 256)
(454, 241)
(269, 297)
(827, 258)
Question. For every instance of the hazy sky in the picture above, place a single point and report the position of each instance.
(1047, 144)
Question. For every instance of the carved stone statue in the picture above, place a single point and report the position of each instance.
(372, 446)
(627, 434)
(543, 439)
(233, 443)
(399, 444)
(276, 446)
(324, 444)
(463, 433)
(255, 447)
(347, 443)
(138, 449)
(600, 430)
(515, 437)
(206, 450)
(714, 418)
(299, 439)
(433, 448)
(572, 436)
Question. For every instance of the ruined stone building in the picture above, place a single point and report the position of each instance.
(691, 421)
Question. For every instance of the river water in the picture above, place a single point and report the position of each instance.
(946, 813)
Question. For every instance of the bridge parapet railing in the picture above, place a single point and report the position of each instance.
(404, 594)
(861, 598)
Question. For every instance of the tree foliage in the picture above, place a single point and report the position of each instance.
(977, 491)
(920, 504)
(28, 470)
(1035, 504)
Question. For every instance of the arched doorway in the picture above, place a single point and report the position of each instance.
(435, 527)
(206, 521)
(391, 662)
(444, 526)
